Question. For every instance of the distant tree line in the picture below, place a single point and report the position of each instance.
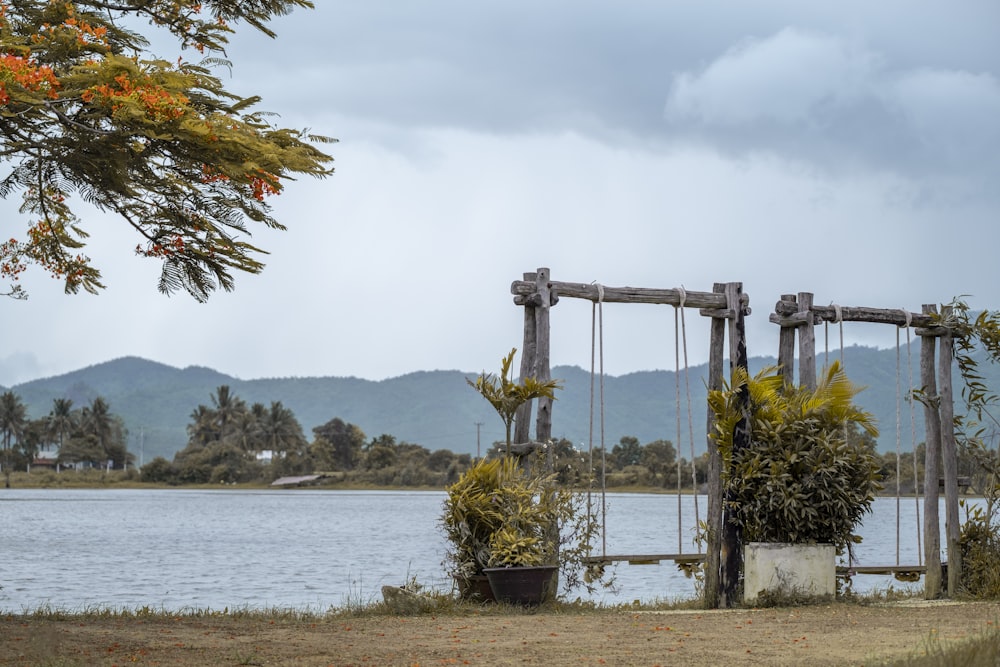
(231, 442)
(91, 436)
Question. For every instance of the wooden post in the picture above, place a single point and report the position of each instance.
(542, 372)
(949, 460)
(522, 422)
(932, 428)
(732, 538)
(713, 546)
(786, 344)
(807, 343)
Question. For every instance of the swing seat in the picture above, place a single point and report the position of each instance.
(645, 559)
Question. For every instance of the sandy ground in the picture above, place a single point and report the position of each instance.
(835, 634)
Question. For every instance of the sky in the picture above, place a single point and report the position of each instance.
(847, 149)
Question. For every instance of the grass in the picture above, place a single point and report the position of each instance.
(980, 651)
(436, 602)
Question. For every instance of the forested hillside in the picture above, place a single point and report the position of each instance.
(437, 409)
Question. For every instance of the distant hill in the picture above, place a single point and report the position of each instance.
(437, 409)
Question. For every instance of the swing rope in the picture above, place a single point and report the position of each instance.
(913, 439)
(677, 412)
(839, 320)
(898, 438)
(597, 342)
(913, 446)
(687, 387)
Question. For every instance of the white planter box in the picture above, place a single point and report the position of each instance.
(792, 570)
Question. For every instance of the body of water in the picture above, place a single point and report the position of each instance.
(181, 549)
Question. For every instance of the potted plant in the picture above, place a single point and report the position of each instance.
(503, 521)
(522, 554)
(469, 520)
(806, 480)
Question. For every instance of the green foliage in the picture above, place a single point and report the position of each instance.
(158, 471)
(470, 518)
(802, 479)
(91, 116)
(337, 445)
(506, 396)
(497, 515)
(973, 339)
(980, 545)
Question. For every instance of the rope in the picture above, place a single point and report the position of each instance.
(913, 440)
(839, 320)
(597, 343)
(677, 411)
(680, 340)
(840, 324)
(687, 388)
(898, 451)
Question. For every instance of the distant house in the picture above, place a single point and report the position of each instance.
(47, 457)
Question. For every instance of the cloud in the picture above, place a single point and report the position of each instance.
(831, 102)
(791, 146)
(791, 78)
(955, 115)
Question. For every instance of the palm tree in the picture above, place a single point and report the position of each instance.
(100, 428)
(506, 396)
(228, 408)
(61, 421)
(244, 432)
(13, 419)
(203, 428)
(280, 430)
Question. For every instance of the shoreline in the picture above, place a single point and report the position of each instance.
(118, 479)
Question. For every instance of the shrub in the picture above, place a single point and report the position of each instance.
(980, 547)
(802, 479)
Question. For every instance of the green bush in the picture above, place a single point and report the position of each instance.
(980, 547)
(802, 479)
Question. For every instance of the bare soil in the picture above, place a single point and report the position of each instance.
(834, 634)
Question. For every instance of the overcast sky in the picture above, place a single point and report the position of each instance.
(848, 149)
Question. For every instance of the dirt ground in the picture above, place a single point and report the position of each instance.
(835, 634)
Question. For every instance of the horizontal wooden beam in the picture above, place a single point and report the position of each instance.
(786, 313)
(523, 290)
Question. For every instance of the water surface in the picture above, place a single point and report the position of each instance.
(181, 549)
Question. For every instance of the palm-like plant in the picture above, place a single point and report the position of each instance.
(228, 409)
(202, 429)
(62, 420)
(13, 419)
(280, 430)
(801, 480)
(506, 396)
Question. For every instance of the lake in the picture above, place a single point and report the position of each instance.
(182, 549)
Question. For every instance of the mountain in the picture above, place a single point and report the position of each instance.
(437, 409)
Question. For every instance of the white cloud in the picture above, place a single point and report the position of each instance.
(791, 77)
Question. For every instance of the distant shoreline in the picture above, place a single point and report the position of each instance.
(117, 479)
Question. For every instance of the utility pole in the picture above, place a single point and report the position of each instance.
(478, 456)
